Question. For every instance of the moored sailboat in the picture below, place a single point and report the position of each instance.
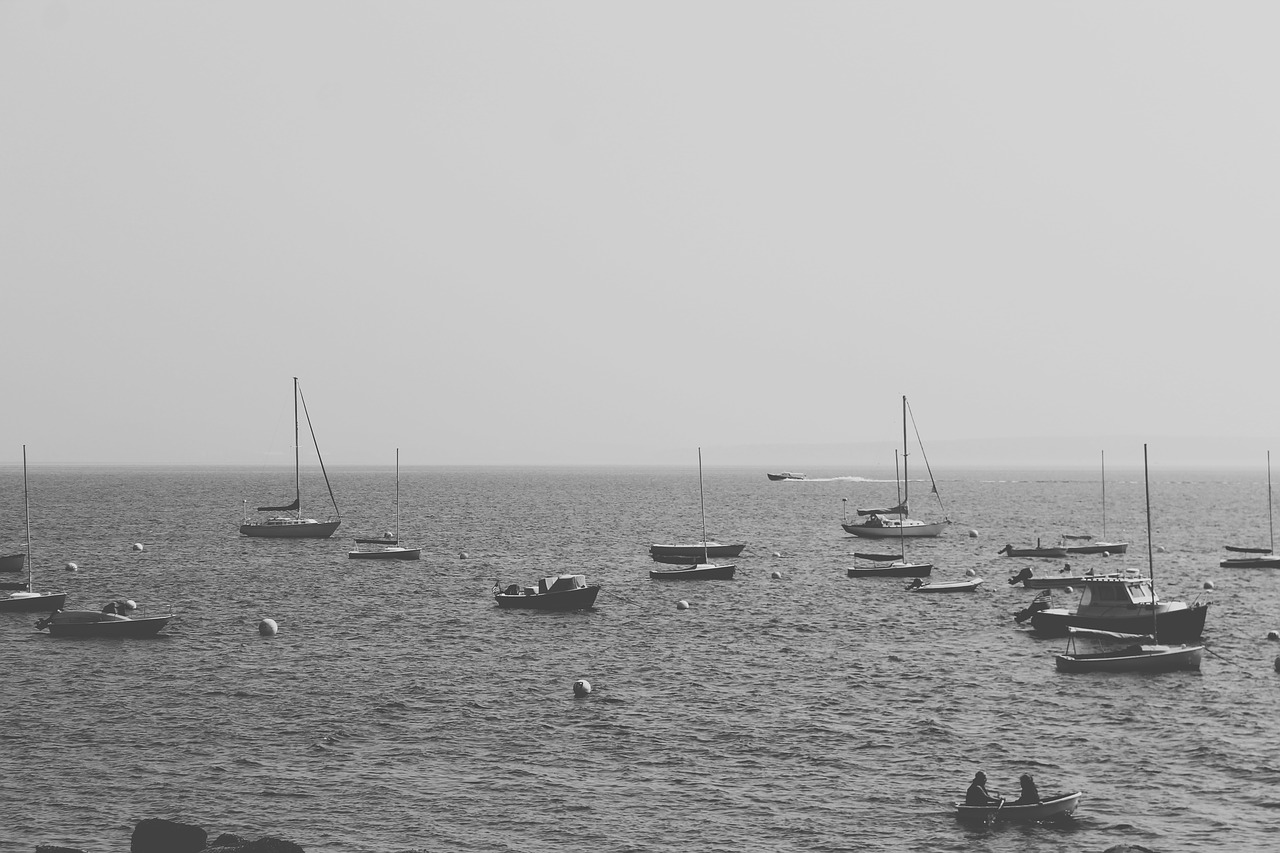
(1101, 546)
(705, 570)
(1256, 558)
(292, 524)
(392, 549)
(26, 600)
(894, 522)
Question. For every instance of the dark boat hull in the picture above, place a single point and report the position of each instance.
(573, 599)
(1134, 659)
(1178, 626)
(659, 552)
(34, 604)
(893, 570)
(1099, 548)
(1268, 561)
(701, 572)
(299, 530)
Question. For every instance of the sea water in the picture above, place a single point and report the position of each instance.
(399, 709)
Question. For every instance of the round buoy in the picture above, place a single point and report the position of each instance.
(137, 546)
(268, 627)
(682, 605)
(1106, 553)
(1068, 590)
(71, 567)
(969, 573)
(777, 554)
(1208, 584)
(1273, 635)
(1159, 549)
(128, 604)
(463, 555)
(973, 534)
(776, 576)
(581, 687)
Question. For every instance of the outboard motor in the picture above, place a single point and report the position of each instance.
(1040, 602)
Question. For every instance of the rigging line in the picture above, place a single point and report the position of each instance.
(318, 456)
(933, 483)
(1229, 660)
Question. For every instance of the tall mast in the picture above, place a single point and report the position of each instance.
(297, 459)
(26, 506)
(1104, 496)
(397, 492)
(906, 489)
(706, 559)
(1151, 562)
(1270, 526)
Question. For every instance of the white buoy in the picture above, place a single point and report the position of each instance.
(1273, 635)
(777, 554)
(776, 576)
(71, 567)
(1106, 553)
(1068, 590)
(1208, 584)
(581, 687)
(682, 605)
(130, 604)
(973, 534)
(463, 555)
(969, 573)
(137, 546)
(268, 627)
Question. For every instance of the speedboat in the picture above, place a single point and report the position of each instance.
(558, 592)
(787, 475)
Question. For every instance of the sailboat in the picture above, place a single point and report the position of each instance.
(704, 570)
(392, 550)
(293, 525)
(1101, 546)
(884, 525)
(26, 601)
(890, 565)
(1259, 558)
(1141, 657)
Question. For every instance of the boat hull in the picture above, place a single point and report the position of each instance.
(1267, 561)
(949, 586)
(307, 528)
(1183, 625)
(387, 554)
(1134, 659)
(892, 570)
(90, 623)
(713, 549)
(786, 475)
(896, 530)
(1055, 807)
(573, 599)
(1052, 553)
(12, 562)
(1099, 548)
(699, 572)
(33, 603)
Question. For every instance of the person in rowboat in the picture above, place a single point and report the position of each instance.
(977, 794)
(1029, 795)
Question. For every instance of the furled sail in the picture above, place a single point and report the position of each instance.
(293, 507)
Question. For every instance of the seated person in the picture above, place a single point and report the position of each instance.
(1029, 793)
(977, 794)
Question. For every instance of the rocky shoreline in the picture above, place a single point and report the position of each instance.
(156, 835)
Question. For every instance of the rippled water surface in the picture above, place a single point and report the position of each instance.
(399, 709)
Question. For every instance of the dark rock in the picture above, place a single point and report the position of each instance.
(155, 835)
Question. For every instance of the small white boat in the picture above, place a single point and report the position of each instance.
(968, 585)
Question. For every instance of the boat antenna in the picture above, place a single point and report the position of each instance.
(26, 506)
(706, 559)
(1151, 561)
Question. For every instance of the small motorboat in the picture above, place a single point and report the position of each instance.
(558, 592)
(1124, 604)
(968, 585)
(110, 621)
(1028, 579)
(1107, 548)
(1038, 551)
(696, 572)
(1058, 806)
(787, 475)
(888, 566)
(391, 552)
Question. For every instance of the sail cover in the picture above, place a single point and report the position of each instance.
(290, 508)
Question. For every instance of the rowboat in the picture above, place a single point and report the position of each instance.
(888, 566)
(687, 553)
(1139, 657)
(1058, 806)
(1038, 551)
(697, 572)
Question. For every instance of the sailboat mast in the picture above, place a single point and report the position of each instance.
(397, 492)
(1271, 530)
(702, 510)
(1151, 561)
(26, 507)
(297, 458)
(906, 480)
(1104, 496)
(902, 538)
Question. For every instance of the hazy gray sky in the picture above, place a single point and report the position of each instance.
(612, 232)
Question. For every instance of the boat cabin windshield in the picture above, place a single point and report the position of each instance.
(1116, 592)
